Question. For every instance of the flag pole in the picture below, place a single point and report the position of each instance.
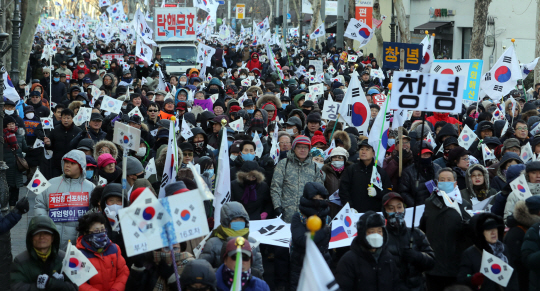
(382, 127)
(236, 285)
(417, 176)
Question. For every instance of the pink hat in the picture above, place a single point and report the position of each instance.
(104, 160)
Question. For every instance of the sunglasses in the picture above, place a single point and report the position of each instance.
(153, 110)
(187, 154)
(245, 258)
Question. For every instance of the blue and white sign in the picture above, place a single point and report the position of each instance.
(472, 69)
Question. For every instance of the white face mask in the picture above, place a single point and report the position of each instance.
(290, 131)
(10, 112)
(93, 71)
(311, 70)
(338, 164)
(124, 106)
(233, 157)
(182, 83)
(141, 152)
(319, 165)
(30, 115)
(375, 240)
(81, 66)
(62, 52)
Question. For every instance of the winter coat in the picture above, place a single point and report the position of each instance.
(254, 284)
(410, 272)
(111, 266)
(519, 222)
(67, 230)
(468, 193)
(58, 91)
(212, 249)
(447, 242)
(499, 181)
(471, 259)
(76, 72)
(205, 151)
(354, 184)
(96, 137)
(530, 255)
(359, 270)
(13, 176)
(290, 176)
(513, 198)
(332, 178)
(409, 177)
(442, 117)
(40, 110)
(254, 63)
(27, 266)
(105, 143)
(391, 166)
(263, 202)
(34, 130)
(60, 138)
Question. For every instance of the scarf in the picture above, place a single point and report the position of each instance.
(228, 276)
(534, 187)
(498, 249)
(480, 191)
(250, 192)
(224, 232)
(309, 207)
(43, 256)
(338, 170)
(11, 138)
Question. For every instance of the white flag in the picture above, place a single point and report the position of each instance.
(38, 183)
(223, 182)
(237, 125)
(171, 162)
(503, 76)
(376, 178)
(431, 140)
(318, 32)
(520, 187)
(526, 153)
(102, 181)
(274, 150)
(204, 191)
(162, 85)
(82, 116)
(315, 275)
(378, 136)
(143, 29)
(112, 105)
(466, 138)
(38, 144)
(400, 116)
(143, 51)
(330, 148)
(103, 3)
(505, 128)
(487, 153)
(527, 68)
(259, 147)
(498, 115)
(115, 9)
(77, 266)
(355, 107)
(150, 169)
(186, 131)
(135, 111)
(495, 269)
(9, 90)
(428, 42)
(359, 31)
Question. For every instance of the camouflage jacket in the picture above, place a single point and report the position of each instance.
(290, 176)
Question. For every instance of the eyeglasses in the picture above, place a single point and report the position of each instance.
(166, 250)
(303, 148)
(465, 159)
(153, 110)
(187, 154)
(521, 128)
(98, 230)
(245, 258)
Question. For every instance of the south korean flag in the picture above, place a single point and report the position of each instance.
(503, 76)
(38, 183)
(148, 215)
(495, 269)
(466, 138)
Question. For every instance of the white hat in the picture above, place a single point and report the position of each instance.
(339, 151)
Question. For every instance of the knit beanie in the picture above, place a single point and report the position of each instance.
(318, 137)
(105, 159)
(301, 139)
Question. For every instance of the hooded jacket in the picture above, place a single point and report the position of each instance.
(470, 192)
(471, 259)
(498, 182)
(530, 252)
(205, 151)
(254, 63)
(62, 184)
(212, 249)
(76, 72)
(442, 117)
(60, 138)
(359, 270)
(238, 186)
(43, 100)
(27, 266)
(105, 143)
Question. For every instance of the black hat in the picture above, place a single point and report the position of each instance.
(308, 103)
(125, 72)
(186, 146)
(389, 196)
(162, 133)
(8, 102)
(532, 166)
(8, 119)
(450, 140)
(248, 102)
(28, 109)
(489, 140)
(365, 73)
(96, 116)
(314, 117)
(364, 142)
(56, 74)
(533, 203)
(135, 119)
(490, 223)
(86, 144)
(35, 93)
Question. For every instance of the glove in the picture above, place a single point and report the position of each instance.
(42, 281)
(371, 191)
(477, 279)
(22, 205)
(264, 215)
(278, 211)
(58, 276)
(409, 255)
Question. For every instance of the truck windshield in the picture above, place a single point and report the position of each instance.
(181, 55)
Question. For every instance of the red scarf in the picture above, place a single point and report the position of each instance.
(11, 138)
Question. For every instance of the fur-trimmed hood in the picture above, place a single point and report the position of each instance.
(300, 113)
(468, 173)
(255, 91)
(269, 98)
(241, 176)
(75, 105)
(344, 137)
(523, 216)
(105, 143)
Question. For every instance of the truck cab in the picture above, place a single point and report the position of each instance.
(178, 57)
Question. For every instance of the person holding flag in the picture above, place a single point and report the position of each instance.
(238, 258)
(37, 267)
(356, 188)
(488, 230)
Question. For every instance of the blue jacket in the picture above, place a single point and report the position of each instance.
(9, 220)
(254, 283)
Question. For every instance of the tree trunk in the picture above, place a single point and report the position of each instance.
(537, 68)
(479, 29)
(270, 20)
(402, 21)
(352, 14)
(315, 20)
(27, 34)
(9, 30)
(378, 33)
(297, 6)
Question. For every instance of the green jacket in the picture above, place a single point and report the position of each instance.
(290, 177)
(27, 266)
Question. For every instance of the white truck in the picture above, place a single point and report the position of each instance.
(175, 34)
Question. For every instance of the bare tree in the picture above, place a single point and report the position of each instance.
(315, 20)
(479, 29)
(27, 34)
(378, 33)
(402, 21)
(352, 14)
(297, 6)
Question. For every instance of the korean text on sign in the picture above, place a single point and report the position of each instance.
(175, 24)
(413, 54)
(68, 206)
(427, 92)
(471, 70)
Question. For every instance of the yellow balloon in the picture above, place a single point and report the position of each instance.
(173, 118)
(390, 86)
(314, 223)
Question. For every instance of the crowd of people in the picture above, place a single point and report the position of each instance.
(443, 253)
